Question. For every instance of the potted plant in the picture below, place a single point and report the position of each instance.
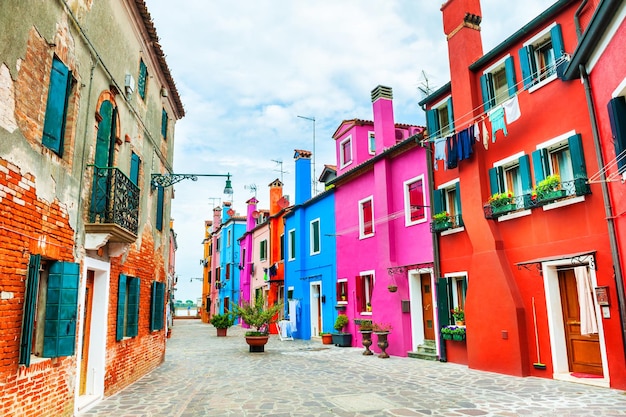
(382, 330)
(341, 338)
(502, 202)
(549, 189)
(222, 322)
(453, 332)
(441, 221)
(365, 328)
(392, 287)
(459, 316)
(258, 316)
(327, 338)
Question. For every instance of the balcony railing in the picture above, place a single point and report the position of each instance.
(452, 223)
(566, 190)
(114, 200)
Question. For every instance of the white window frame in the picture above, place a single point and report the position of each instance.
(312, 235)
(454, 277)
(371, 140)
(362, 234)
(407, 201)
(442, 106)
(291, 243)
(535, 40)
(228, 237)
(499, 65)
(263, 256)
(343, 162)
(447, 186)
(365, 294)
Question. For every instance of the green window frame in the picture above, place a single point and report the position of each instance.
(164, 124)
(534, 66)
(440, 119)
(159, 208)
(292, 244)
(544, 164)
(127, 307)
(499, 183)
(60, 303)
(263, 250)
(315, 237)
(142, 79)
(157, 308)
(135, 163)
(448, 199)
(617, 118)
(451, 293)
(56, 108)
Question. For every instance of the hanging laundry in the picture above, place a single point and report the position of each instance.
(476, 132)
(496, 118)
(273, 270)
(440, 152)
(485, 135)
(511, 109)
(451, 150)
(465, 139)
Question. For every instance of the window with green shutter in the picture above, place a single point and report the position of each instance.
(451, 293)
(50, 310)
(159, 208)
(315, 237)
(263, 250)
(498, 83)
(135, 163)
(127, 307)
(142, 79)
(617, 117)
(512, 176)
(448, 199)
(440, 119)
(56, 107)
(542, 58)
(157, 306)
(164, 124)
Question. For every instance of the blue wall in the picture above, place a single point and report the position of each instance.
(230, 254)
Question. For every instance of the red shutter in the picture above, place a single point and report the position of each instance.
(416, 200)
(360, 295)
(368, 227)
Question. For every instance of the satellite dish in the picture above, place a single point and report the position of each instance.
(230, 212)
(283, 202)
(255, 214)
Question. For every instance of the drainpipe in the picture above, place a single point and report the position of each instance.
(608, 209)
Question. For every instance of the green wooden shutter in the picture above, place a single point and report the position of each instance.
(134, 168)
(61, 310)
(457, 202)
(432, 123)
(156, 309)
(525, 60)
(559, 49)
(579, 169)
(316, 236)
(493, 181)
(132, 316)
(540, 159)
(56, 108)
(143, 77)
(30, 306)
(443, 306)
(121, 308)
(617, 117)
(486, 85)
(438, 201)
(164, 124)
(450, 115)
(524, 172)
(159, 212)
(511, 80)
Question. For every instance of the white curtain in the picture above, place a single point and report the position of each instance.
(588, 323)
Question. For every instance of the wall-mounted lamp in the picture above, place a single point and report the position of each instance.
(165, 180)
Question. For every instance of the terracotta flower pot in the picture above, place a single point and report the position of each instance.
(257, 343)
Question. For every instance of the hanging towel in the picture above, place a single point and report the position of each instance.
(496, 118)
(293, 312)
(588, 323)
(440, 152)
(476, 132)
(511, 109)
(485, 135)
(452, 151)
(465, 144)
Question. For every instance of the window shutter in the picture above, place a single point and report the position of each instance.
(443, 309)
(61, 309)
(132, 318)
(338, 290)
(134, 168)
(493, 181)
(525, 54)
(156, 309)
(617, 117)
(159, 213)
(524, 170)
(540, 159)
(58, 92)
(457, 201)
(121, 310)
(511, 81)
(450, 115)
(486, 85)
(164, 124)
(559, 49)
(141, 82)
(30, 303)
(360, 295)
(432, 123)
(438, 201)
(575, 144)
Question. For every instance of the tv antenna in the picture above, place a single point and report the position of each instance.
(212, 201)
(281, 170)
(424, 86)
(252, 188)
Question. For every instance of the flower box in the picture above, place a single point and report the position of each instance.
(447, 336)
(458, 337)
(551, 195)
(503, 209)
(441, 226)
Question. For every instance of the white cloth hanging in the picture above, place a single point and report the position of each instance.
(588, 322)
(511, 109)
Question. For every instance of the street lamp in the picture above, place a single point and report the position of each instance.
(166, 180)
(314, 179)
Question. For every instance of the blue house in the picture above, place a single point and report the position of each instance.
(310, 255)
(232, 228)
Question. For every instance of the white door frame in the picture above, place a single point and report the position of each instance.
(314, 312)
(415, 301)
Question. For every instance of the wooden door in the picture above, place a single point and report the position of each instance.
(84, 363)
(583, 351)
(427, 307)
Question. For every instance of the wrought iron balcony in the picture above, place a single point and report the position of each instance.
(452, 223)
(114, 205)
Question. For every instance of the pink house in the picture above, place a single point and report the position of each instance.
(383, 232)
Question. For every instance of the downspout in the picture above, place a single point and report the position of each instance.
(608, 209)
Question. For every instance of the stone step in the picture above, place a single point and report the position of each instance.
(423, 356)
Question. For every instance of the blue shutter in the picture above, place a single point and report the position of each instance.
(164, 124)
(143, 77)
(30, 306)
(61, 310)
(617, 117)
(134, 168)
(524, 171)
(493, 181)
(443, 306)
(158, 300)
(511, 80)
(121, 308)
(486, 87)
(578, 164)
(457, 201)
(438, 201)
(559, 49)
(132, 316)
(159, 212)
(540, 159)
(432, 123)
(450, 115)
(56, 108)
(525, 63)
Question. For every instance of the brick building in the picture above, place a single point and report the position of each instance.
(87, 114)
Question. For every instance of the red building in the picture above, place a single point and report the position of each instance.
(525, 249)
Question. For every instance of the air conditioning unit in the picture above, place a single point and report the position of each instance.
(129, 84)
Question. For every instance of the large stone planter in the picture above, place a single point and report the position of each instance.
(342, 339)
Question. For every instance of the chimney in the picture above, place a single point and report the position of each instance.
(217, 218)
(250, 220)
(303, 175)
(225, 209)
(384, 125)
(276, 194)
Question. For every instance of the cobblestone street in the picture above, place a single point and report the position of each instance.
(208, 376)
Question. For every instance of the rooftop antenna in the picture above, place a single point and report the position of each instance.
(251, 187)
(424, 86)
(280, 162)
(212, 201)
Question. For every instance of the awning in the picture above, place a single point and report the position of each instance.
(576, 259)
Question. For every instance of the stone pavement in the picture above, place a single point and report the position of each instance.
(204, 375)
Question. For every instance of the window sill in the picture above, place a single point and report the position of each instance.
(453, 231)
(361, 237)
(563, 203)
(541, 83)
(366, 313)
(515, 215)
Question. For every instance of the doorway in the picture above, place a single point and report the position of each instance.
(422, 307)
(316, 308)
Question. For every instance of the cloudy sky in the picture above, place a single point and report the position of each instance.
(246, 70)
